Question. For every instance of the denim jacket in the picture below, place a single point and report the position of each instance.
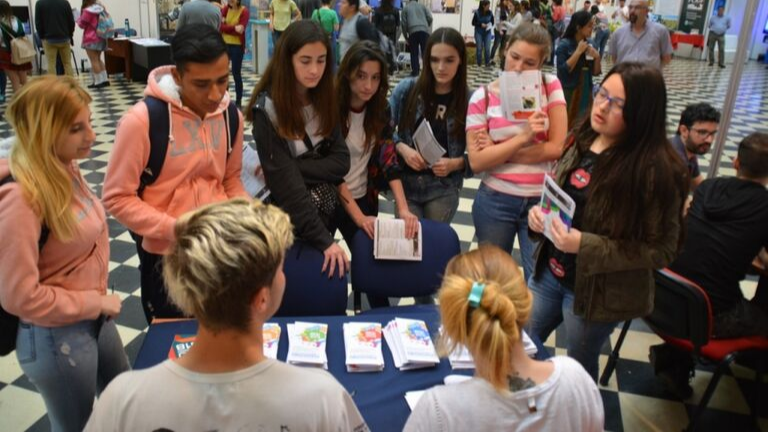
(456, 146)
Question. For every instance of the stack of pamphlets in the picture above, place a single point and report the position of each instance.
(410, 343)
(362, 345)
(306, 344)
(389, 242)
(461, 358)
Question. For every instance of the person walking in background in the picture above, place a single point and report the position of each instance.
(308, 7)
(200, 12)
(93, 44)
(329, 21)
(718, 26)
(482, 20)
(558, 24)
(54, 264)
(386, 18)
(235, 21)
(281, 13)
(602, 32)
(501, 17)
(55, 26)
(11, 27)
(642, 41)
(417, 26)
(577, 63)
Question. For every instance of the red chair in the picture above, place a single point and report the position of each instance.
(682, 317)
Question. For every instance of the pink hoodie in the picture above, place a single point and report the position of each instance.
(88, 21)
(64, 283)
(196, 171)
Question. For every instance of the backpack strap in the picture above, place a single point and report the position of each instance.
(233, 121)
(44, 230)
(159, 136)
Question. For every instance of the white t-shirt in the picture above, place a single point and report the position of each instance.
(567, 401)
(357, 177)
(269, 396)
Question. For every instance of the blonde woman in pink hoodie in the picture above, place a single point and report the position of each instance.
(67, 343)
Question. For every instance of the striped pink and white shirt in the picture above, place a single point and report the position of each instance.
(512, 178)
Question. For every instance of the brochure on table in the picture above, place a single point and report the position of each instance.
(306, 344)
(270, 334)
(362, 346)
(410, 344)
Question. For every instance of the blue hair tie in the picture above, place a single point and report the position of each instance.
(475, 294)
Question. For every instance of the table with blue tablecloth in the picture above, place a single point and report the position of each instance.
(379, 395)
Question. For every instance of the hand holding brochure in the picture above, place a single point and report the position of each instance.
(252, 175)
(389, 241)
(427, 144)
(520, 93)
(362, 344)
(306, 344)
(410, 343)
(555, 203)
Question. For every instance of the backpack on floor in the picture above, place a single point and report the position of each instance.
(9, 324)
(105, 28)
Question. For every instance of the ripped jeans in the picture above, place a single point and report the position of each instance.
(69, 366)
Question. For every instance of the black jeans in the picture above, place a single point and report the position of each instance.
(154, 295)
(418, 44)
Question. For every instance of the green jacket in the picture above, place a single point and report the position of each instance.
(613, 284)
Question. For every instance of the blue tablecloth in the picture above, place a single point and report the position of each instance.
(379, 395)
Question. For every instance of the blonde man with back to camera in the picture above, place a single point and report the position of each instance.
(484, 304)
(226, 269)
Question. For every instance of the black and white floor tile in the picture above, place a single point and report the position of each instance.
(633, 400)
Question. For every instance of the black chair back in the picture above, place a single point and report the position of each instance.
(681, 309)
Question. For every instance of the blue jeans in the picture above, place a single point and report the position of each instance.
(601, 38)
(69, 366)
(483, 46)
(499, 217)
(441, 209)
(552, 305)
(236, 57)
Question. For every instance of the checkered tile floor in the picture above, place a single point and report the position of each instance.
(633, 400)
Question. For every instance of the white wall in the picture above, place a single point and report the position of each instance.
(141, 14)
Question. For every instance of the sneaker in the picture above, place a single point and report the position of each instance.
(92, 86)
(722, 66)
(102, 85)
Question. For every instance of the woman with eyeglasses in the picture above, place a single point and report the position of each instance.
(629, 186)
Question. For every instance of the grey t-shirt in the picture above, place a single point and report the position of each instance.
(199, 12)
(647, 47)
(567, 401)
(270, 396)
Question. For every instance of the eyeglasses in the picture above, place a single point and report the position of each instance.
(614, 104)
(705, 133)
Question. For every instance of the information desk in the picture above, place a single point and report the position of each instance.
(147, 55)
(118, 58)
(380, 396)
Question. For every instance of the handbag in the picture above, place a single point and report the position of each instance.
(324, 196)
(22, 50)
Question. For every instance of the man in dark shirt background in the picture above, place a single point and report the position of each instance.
(55, 26)
(695, 134)
(727, 227)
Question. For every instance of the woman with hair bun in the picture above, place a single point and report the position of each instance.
(484, 304)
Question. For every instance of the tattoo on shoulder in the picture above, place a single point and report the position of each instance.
(517, 383)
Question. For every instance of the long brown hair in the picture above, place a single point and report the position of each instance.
(641, 170)
(279, 81)
(375, 109)
(424, 89)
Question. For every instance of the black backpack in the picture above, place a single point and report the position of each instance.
(9, 324)
(366, 31)
(388, 22)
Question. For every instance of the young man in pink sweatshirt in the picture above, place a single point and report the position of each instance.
(202, 160)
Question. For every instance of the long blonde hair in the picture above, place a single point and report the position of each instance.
(490, 330)
(41, 113)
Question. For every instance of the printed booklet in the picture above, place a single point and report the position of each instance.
(362, 345)
(389, 242)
